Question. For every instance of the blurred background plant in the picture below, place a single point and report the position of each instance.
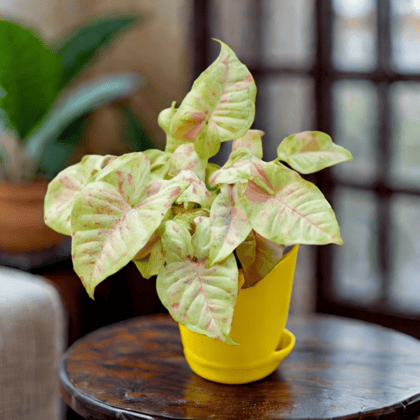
(42, 120)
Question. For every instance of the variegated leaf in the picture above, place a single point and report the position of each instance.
(201, 238)
(219, 107)
(229, 225)
(311, 151)
(176, 242)
(252, 141)
(202, 299)
(258, 256)
(63, 189)
(152, 264)
(297, 212)
(108, 232)
(242, 166)
(185, 157)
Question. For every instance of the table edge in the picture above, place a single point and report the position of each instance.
(72, 395)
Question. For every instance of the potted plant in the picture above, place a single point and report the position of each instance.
(42, 121)
(214, 236)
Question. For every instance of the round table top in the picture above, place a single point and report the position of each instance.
(338, 369)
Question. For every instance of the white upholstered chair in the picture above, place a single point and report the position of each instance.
(33, 332)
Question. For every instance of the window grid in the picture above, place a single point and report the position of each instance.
(324, 76)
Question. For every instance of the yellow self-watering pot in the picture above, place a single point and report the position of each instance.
(258, 327)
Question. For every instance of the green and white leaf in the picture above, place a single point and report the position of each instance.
(129, 173)
(164, 120)
(201, 239)
(185, 157)
(238, 168)
(297, 212)
(252, 141)
(202, 299)
(242, 166)
(258, 256)
(63, 190)
(159, 165)
(219, 107)
(108, 232)
(229, 225)
(186, 217)
(311, 151)
(176, 242)
(153, 263)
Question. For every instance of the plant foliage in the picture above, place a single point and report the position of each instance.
(40, 119)
(184, 219)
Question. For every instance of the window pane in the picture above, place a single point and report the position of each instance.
(405, 287)
(355, 111)
(356, 276)
(405, 19)
(286, 106)
(354, 34)
(232, 23)
(405, 102)
(289, 33)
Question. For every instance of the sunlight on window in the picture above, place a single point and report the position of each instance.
(355, 264)
(354, 35)
(405, 22)
(405, 269)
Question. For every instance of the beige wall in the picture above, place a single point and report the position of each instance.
(158, 49)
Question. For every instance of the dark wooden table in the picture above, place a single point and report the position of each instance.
(338, 369)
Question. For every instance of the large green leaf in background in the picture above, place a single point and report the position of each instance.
(29, 76)
(80, 47)
(57, 155)
(133, 132)
(83, 99)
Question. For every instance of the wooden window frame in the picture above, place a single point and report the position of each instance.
(324, 77)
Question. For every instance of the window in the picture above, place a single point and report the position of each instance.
(350, 68)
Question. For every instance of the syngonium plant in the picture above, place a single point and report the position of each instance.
(191, 222)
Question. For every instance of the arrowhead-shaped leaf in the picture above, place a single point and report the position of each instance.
(164, 120)
(252, 141)
(176, 242)
(219, 107)
(311, 151)
(229, 225)
(258, 256)
(202, 299)
(242, 166)
(185, 157)
(159, 165)
(201, 239)
(109, 229)
(238, 168)
(297, 212)
(63, 189)
(152, 264)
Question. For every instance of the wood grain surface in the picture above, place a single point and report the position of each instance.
(338, 369)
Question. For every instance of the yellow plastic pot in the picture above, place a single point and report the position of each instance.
(258, 327)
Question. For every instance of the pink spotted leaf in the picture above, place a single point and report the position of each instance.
(108, 230)
(63, 189)
(219, 107)
(258, 256)
(229, 225)
(297, 212)
(311, 151)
